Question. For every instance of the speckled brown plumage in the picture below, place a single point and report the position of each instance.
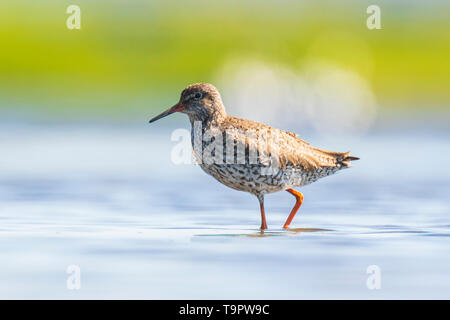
(249, 156)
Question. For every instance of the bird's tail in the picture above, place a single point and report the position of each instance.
(334, 159)
(346, 159)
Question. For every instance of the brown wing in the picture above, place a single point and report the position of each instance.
(287, 147)
(296, 152)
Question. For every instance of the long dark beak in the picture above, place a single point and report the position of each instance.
(176, 108)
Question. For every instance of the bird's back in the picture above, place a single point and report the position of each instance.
(290, 149)
(270, 159)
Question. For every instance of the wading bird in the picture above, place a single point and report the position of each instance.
(238, 152)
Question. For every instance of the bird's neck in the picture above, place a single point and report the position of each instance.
(209, 117)
(204, 126)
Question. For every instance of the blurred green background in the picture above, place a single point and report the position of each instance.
(136, 56)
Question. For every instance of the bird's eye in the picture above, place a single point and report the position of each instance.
(198, 95)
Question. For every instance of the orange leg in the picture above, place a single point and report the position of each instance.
(299, 199)
(263, 213)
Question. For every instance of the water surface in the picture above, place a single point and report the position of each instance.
(110, 201)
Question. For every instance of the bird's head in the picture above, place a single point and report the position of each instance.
(201, 102)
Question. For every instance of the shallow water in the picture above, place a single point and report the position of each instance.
(110, 201)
